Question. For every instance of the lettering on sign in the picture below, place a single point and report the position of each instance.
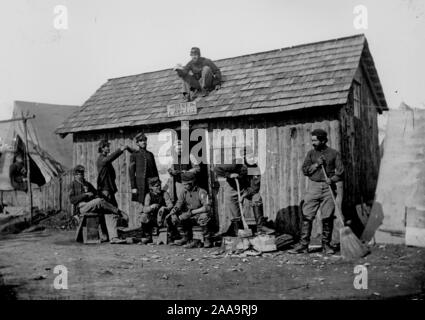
(181, 109)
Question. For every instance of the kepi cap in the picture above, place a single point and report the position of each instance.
(79, 169)
(102, 143)
(195, 50)
(140, 137)
(154, 181)
(188, 176)
(319, 133)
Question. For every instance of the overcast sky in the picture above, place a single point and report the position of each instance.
(107, 39)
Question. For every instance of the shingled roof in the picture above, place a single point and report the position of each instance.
(303, 76)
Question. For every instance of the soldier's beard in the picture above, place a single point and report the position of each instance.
(319, 147)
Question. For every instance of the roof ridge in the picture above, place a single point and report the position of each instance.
(296, 46)
(358, 35)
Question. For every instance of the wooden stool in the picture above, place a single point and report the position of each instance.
(90, 229)
(162, 236)
(197, 233)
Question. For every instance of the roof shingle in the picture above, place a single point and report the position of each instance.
(303, 76)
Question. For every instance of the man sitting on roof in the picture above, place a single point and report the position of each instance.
(199, 75)
(85, 200)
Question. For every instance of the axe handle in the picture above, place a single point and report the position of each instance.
(337, 209)
(245, 225)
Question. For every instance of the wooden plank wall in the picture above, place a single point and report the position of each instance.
(287, 142)
(368, 136)
(51, 196)
(360, 147)
(287, 145)
(348, 154)
(19, 198)
(86, 154)
(54, 194)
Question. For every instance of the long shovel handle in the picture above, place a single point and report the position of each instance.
(245, 225)
(337, 209)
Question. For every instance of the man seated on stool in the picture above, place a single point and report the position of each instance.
(193, 207)
(157, 204)
(85, 200)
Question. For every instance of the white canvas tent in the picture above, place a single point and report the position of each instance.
(398, 214)
(49, 154)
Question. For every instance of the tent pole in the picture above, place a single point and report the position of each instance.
(27, 157)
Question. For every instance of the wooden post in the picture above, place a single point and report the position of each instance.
(27, 157)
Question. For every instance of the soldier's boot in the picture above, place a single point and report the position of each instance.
(191, 243)
(327, 228)
(207, 237)
(146, 233)
(204, 92)
(184, 237)
(186, 97)
(194, 94)
(194, 243)
(260, 219)
(302, 246)
(172, 233)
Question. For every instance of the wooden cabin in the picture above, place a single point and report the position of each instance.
(280, 95)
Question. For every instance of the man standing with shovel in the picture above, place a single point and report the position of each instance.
(319, 193)
(243, 184)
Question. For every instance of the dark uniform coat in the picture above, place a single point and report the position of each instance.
(142, 166)
(106, 175)
(77, 193)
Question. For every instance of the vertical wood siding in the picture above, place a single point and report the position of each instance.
(53, 196)
(86, 154)
(360, 147)
(283, 184)
(287, 142)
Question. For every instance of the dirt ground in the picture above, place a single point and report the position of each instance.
(106, 271)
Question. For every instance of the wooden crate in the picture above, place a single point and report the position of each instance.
(89, 230)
